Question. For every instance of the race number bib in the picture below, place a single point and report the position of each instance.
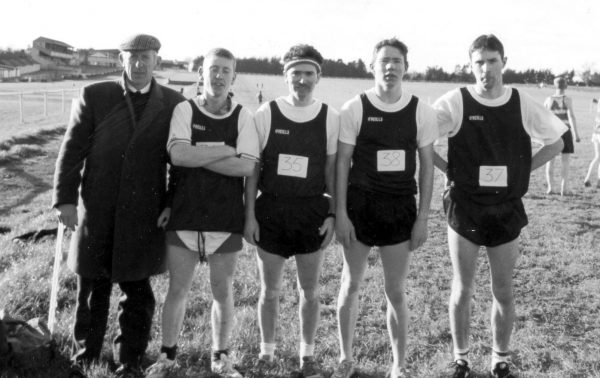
(493, 175)
(292, 165)
(390, 160)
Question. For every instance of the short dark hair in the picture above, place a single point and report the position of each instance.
(560, 82)
(222, 53)
(487, 42)
(392, 42)
(303, 51)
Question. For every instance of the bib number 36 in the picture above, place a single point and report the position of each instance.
(493, 175)
(292, 165)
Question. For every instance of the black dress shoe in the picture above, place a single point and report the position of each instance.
(129, 371)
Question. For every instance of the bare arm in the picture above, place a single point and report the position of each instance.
(546, 153)
(572, 120)
(419, 230)
(343, 226)
(185, 155)
(328, 226)
(233, 166)
(251, 229)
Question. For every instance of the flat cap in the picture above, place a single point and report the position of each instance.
(138, 42)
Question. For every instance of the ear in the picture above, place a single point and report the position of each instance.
(504, 60)
(121, 59)
(233, 78)
(158, 60)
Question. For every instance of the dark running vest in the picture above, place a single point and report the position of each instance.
(559, 108)
(204, 200)
(294, 157)
(385, 142)
(489, 159)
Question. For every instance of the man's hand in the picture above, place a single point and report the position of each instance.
(344, 230)
(418, 234)
(327, 229)
(67, 215)
(163, 218)
(251, 230)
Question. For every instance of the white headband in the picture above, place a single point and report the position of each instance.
(294, 62)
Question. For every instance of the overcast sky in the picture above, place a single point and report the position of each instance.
(555, 34)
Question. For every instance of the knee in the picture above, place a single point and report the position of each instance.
(269, 294)
(350, 287)
(460, 292)
(309, 294)
(221, 290)
(503, 294)
(395, 295)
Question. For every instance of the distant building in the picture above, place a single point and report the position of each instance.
(104, 58)
(50, 53)
(14, 65)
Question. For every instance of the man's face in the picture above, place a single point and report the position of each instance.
(139, 66)
(487, 67)
(302, 79)
(388, 66)
(218, 74)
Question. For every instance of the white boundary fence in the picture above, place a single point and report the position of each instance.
(39, 103)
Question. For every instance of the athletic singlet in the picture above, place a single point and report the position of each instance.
(294, 157)
(489, 159)
(384, 156)
(559, 108)
(204, 200)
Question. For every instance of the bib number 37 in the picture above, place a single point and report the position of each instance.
(493, 175)
(292, 165)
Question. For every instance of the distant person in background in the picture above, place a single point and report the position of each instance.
(594, 164)
(294, 215)
(109, 187)
(562, 106)
(490, 128)
(381, 131)
(213, 145)
(259, 96)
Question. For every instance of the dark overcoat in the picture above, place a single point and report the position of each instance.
(114, 168)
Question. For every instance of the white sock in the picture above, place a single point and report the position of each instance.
(461, 354)
(306, 350)
(267, 350)
(498, 357)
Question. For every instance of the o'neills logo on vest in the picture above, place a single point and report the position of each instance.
(198, 127)
(282, 131)
(375, 119)
(476, 118)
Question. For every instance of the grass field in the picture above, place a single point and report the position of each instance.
(557, 332)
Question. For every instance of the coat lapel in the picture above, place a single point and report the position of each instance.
(154, 106)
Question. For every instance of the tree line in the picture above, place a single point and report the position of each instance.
(461, 73)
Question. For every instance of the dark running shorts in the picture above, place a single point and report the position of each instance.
(290, 226)
(567, 138)
(485, 225)
(381, 219)
(232, 244)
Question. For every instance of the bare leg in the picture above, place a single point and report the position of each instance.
(355, 264)
(463, 254)
(222, 267)
(565, 188)
(594, 164)
(270, 268)
(308, 268)
(502, 262)
(396, 262)
(550, 177)
(181, 263)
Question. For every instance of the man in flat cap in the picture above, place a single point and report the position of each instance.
(109, 188)
(293, 216)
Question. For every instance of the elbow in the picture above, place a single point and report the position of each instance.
(248, 169)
